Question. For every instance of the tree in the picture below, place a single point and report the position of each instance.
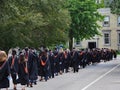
(17, 20)
(84, 17)
(115, 7)
(32, 23)
(58, 20)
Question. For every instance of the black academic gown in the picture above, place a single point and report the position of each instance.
(4, 73)
(13, 68)
(33, 69)
(75, 61)
(22, 74)
(52, 64)
(45, 67)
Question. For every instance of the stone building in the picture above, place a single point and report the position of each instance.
(110, 33)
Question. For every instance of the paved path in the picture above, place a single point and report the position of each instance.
(102, 76)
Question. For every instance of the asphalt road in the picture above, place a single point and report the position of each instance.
(102, 76)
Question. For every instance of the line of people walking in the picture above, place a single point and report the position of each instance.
(27, 66)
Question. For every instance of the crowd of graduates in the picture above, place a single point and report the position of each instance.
(27, 66)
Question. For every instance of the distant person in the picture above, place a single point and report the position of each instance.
(4, 71)
(32, 68)
(43, 59)
(115, 54)
(13, 62)
(23, 71)
(75, 60)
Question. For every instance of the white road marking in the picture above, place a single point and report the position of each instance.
(100, 77)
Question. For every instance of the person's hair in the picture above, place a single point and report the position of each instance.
(44, 53)
(3, 56)
(22, 58)
(14, 51)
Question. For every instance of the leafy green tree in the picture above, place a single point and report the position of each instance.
(84, 18)
(32, 22)
(115, 7)
(16, 22)
(58, 20)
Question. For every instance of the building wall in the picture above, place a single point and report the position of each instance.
(112, 29)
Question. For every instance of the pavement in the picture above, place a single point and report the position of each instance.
(102, 76)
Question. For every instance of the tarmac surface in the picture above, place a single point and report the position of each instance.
(102, 76)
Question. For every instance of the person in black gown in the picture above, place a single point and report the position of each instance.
(4, 71)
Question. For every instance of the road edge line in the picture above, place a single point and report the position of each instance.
(100, 77)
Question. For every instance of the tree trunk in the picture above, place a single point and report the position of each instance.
(70, 39)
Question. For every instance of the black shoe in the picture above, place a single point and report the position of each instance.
(31, 85)
(35, 83)
(27, 85)
(14, 88)
(45, 80)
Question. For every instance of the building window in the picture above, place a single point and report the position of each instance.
(106, 22)
(119, 38)
(118, 33)
(77, 43)
(106, 38)
(118, 21)
(98, 1)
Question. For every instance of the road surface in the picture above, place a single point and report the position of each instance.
(102, 76)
